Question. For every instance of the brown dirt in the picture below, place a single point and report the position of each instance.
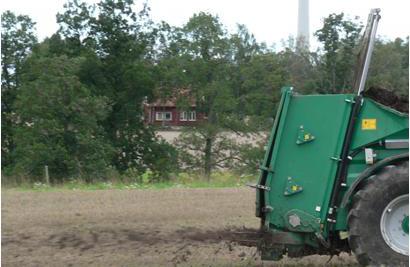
(173, 227)
(388, 98)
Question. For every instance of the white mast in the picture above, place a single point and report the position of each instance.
(302, 39)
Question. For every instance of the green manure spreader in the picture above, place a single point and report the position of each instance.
(335, 175)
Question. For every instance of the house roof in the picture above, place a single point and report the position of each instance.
(180, 94)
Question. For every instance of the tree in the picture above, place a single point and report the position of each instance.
(340, 37)
(260, 81)
(300, 67)
(389, 67)
(17, 40)
(59, 121)
(203, 57)
(217, 68)
(117, 43)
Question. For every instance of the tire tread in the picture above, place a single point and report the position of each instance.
(361, 200)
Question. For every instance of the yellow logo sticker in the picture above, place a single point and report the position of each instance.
(369, 124)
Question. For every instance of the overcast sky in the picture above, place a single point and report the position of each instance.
(269, 20)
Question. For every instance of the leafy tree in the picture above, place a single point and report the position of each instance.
(59, 121)
(260, 80)
(244, 45)
(79, 93)
(17, 40)
(250, 156)
(203, 49)
(253, 68)
(224, 73)
(389, 67)
(300, 67)
(192, 150)
(205, 43)
(118, 43)
(340, 37)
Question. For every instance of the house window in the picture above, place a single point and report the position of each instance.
(187, 116)
(192, 116)
(163, 116)
(183, 116)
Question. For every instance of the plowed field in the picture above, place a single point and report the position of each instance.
(168, 227)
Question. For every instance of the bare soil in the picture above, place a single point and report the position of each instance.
(171, 227)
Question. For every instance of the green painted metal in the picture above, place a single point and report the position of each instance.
(311, 164)
(405, 225)
(302, 158)
(388, 122)
(286, 91)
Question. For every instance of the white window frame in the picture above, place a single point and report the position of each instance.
(187, 115)
(162, 116)
(192, 115)
(183, 116)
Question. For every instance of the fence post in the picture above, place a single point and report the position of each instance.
(46, 175)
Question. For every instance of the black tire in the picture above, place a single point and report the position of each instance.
(365, 237)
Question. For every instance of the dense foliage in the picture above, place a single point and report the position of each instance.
(73, 101)
(59, 121)
(17, 40)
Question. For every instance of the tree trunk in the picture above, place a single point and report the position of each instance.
(208, 158)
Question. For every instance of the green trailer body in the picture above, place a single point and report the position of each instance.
(302, 157)
(335, 175)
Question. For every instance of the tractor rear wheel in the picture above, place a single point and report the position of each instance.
(379, 219)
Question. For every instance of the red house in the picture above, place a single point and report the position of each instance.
(164, 112)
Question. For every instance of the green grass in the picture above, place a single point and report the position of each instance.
(182, 180)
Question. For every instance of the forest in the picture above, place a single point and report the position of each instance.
(73, 101)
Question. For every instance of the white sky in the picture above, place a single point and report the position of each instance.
(269, 20)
